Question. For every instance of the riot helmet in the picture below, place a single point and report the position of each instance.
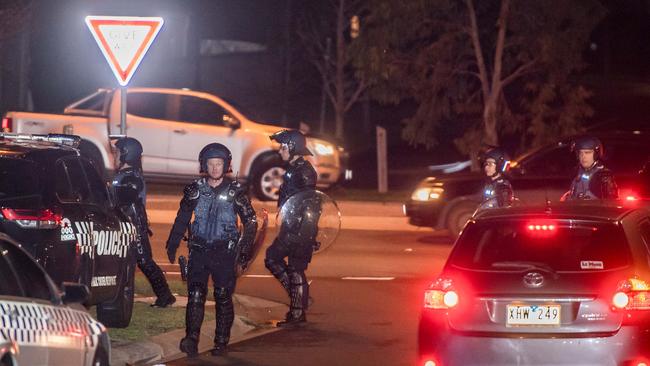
(588, 143)
(215, 150)
(130, 151)
(294, 139)
(500, 158)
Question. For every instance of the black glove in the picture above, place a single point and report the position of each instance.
(149, 232)
(316, 246)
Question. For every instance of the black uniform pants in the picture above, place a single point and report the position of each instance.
(149, 268)
(291, 273)
(219, 263)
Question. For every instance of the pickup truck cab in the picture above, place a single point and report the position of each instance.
(173, 125)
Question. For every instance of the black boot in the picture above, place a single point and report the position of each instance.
(190, 346)
(158, 283)
(293, 319)
(219, 350)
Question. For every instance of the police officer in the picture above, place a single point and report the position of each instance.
(594, 180)
(129, 174)
(214, 241)
(497, 191)
(295, 243)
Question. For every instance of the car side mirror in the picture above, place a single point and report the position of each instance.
(74, 293)
(231, 121)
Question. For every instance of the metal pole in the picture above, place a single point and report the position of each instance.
(123, 111)
(382, 165)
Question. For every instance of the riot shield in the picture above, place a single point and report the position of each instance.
(263, 223)
(312, 215)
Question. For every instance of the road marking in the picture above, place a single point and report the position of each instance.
(258, 276)
(172, 273)
(368, 278)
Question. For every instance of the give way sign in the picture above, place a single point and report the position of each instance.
(124, 41)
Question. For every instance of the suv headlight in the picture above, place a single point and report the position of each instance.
(323, 149)
(427, 193)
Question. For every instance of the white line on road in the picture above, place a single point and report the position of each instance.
(258, 276)
(368, 278)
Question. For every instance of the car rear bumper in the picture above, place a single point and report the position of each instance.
(423, 213)
(621, 348)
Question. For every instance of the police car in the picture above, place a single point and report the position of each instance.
(54, 202)
(38, 327)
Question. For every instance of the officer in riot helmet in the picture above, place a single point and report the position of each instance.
(497, 191)
(215, 243)
(594, 180)
(128, 178)
(298, 242)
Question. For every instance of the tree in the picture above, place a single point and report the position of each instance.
(496, 67)
(321, 26)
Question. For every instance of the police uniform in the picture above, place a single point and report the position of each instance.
(214, 243)
(597, 182)
(131, 177)
(297, 241)
(497, 193)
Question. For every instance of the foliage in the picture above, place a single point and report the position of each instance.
(459, 58)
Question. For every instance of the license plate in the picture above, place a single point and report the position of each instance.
(533, 315)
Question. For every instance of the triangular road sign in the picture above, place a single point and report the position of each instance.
(124, 41)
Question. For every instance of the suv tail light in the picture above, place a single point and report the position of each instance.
(441, 295)
(33, 219)
(7, 124)
(632, 294)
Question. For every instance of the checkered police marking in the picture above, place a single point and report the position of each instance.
(42, 325)
(104, 242)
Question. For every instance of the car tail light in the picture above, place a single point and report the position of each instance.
(7, 124)
(632, 294)
(441, 295)
(33, 219)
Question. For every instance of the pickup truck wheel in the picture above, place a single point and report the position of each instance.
(90, 152)
(458, 216)
(117, 313)
(267, 181)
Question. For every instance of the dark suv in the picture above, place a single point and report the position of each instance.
(447, 202)
(54, 202)
(566, 284)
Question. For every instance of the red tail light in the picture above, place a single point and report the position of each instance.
(441, 295)
(7, 124)
(632, 294)
(33, 219)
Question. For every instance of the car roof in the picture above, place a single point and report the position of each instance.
(585, 210)
(19, 147)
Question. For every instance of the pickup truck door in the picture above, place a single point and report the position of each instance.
(145, 122)
(200, 122)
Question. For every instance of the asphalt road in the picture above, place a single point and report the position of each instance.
(367, 291)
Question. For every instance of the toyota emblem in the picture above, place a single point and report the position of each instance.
(533, 279)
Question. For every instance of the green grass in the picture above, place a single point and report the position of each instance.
(143, 289)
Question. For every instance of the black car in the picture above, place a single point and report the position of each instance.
(447, 202)
(562, 284)
(54, 202)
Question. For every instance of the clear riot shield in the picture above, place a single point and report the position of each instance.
(313, 216)
(262, 225)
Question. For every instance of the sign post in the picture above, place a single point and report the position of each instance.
(382, 165)
(123, 41)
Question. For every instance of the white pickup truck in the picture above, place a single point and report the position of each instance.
(173, 125)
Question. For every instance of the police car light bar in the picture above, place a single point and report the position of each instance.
(57, 138)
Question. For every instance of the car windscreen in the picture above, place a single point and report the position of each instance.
(562, 245)
(19, 180)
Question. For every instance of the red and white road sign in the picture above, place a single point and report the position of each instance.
(124, 41)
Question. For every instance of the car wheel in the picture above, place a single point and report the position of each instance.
(117, 313)
(90, 152)
(267, 181)
(101, 357)
(458, 216)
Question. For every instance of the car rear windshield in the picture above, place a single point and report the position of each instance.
(498, 245)
(18, 179)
